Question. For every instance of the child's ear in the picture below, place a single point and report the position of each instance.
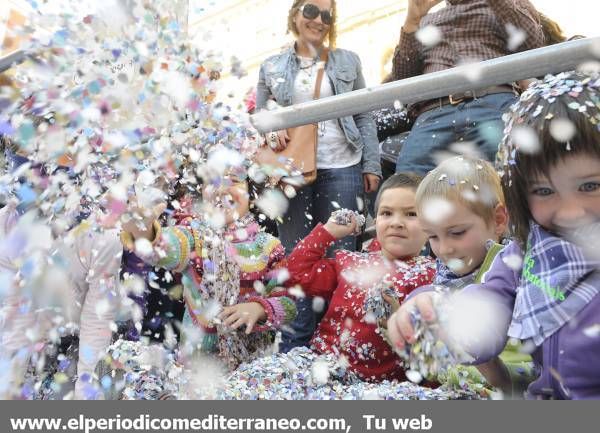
(500, 219)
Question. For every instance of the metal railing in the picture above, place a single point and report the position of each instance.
(533, 63)
(507, 69)
(11, 59)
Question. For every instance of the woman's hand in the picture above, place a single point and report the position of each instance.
(247, 313)
(371, 182)
(278, 140)
(400, 329)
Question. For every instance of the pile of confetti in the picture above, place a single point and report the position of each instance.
(301, 374)
(137, 371)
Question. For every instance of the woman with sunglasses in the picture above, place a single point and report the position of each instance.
(347, 148)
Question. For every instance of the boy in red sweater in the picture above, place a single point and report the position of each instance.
(346, 280)
(349, 332)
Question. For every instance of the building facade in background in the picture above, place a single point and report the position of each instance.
(252, 30)
(245, 32)
(12, 17)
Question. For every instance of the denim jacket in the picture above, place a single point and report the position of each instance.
(276, 82)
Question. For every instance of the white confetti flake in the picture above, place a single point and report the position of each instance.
(562, 130)
(148, 197)
(289, 191)
(467, 313)
(143, 247)
(320, 372)
(429, 35)
(297, 292)
(436, 210)
(414, 376)
(177, 86)
(589, 67)
(318, 304)
(146, 177)
(211, 309)
(257, 174)
(259, 287)
(526, 140)
(102, 307)
(133, 284)
(241, 234)
(471, 69)
(516, 37)
(272, 203)
(592, 331)
(370, 317)
(282, 276)
(514, 262)
(456, 265)
(372, 394)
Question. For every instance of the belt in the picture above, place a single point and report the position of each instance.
(457, 98)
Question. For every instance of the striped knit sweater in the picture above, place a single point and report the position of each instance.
(259, 256)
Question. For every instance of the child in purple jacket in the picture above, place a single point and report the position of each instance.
(543, 287)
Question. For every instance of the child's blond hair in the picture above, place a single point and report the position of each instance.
(471, 182)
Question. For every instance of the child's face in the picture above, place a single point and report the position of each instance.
(458, 239)
(398, 229)
(230, 198)
(569, 197)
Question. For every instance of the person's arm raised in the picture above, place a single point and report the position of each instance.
(407, 61)
(417, 9)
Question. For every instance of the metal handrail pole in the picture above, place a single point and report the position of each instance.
(507, 69)
(11, 59)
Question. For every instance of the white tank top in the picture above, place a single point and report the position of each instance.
(333, 151)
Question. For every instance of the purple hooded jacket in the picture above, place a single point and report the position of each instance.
(569, 360)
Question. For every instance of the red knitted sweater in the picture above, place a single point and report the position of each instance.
(346, 330)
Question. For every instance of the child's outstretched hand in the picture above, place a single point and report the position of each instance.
(247, 313)
(340, 231)
(399, 325)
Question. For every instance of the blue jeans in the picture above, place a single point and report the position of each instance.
(312, 205)
(478, 121)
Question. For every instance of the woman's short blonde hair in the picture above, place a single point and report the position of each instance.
(331, 35)
(471, 182)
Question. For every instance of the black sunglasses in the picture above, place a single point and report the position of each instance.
(311, 11)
